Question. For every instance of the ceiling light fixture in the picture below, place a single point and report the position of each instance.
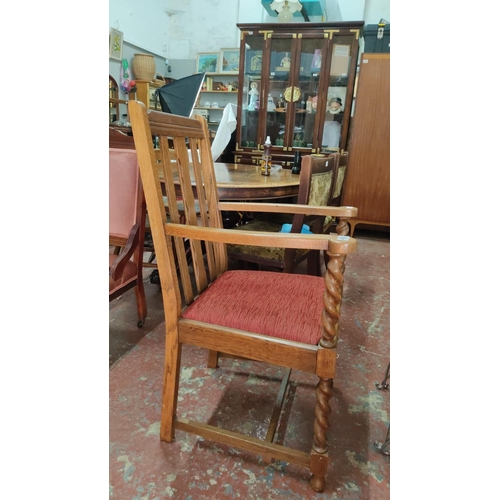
(285, 9)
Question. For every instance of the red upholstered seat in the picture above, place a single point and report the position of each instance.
(261, 302)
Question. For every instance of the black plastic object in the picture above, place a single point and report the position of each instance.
(377, 38)
(296, 163)
(180, 96)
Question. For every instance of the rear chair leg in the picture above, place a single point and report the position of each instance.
(170, 387)
(213, 359)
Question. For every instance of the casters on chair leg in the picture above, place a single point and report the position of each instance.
(384, 447)
(140, 323)
(384, 384)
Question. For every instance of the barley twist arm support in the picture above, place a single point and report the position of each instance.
(334, 280)
(342, 228)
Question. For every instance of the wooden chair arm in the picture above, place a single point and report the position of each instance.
(289, 208)
(116, 270)
(331, 242)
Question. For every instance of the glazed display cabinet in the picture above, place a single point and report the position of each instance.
(296, 84)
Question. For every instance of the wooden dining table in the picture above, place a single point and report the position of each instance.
(236, 181)
(245, 182)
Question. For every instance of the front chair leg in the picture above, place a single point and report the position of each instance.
(325, 368)
(319, 454)
(140, 297)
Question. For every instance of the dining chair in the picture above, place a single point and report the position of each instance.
(256, 315)
(336, 199)
(341, 226)
(127, 213)
(317, 180)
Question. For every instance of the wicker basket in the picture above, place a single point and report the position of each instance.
(143, 66)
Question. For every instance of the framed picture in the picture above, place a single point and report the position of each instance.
(229, 61)
(115, 44)
(253, 63)
(207, 62)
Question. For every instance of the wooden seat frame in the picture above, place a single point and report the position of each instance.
(209, 261)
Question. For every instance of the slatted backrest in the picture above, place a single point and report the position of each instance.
(182, 168)
(339, 180)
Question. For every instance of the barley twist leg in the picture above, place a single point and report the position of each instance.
(332, 298)
(319, 456)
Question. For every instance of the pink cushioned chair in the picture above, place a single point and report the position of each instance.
(289, 320)
(127, 216)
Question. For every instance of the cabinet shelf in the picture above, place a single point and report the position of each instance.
(117, 107)
(214, 93)
(117, 101)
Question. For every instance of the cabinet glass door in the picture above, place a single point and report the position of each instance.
(338, 99)
(251, 91)
(312, 51)
(280, 78)
(294, 73)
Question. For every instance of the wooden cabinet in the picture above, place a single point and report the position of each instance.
(296, 83)
(367, 185)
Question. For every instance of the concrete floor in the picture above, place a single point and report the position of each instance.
(239, 395)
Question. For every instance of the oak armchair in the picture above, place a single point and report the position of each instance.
(210, 307)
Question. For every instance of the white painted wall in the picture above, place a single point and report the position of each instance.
(178, 29)
(144, 24)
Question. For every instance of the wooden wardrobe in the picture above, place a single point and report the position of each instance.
(367, 184)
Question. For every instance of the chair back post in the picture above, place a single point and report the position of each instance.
(149, 167)
(317, 181)
(341, 225)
